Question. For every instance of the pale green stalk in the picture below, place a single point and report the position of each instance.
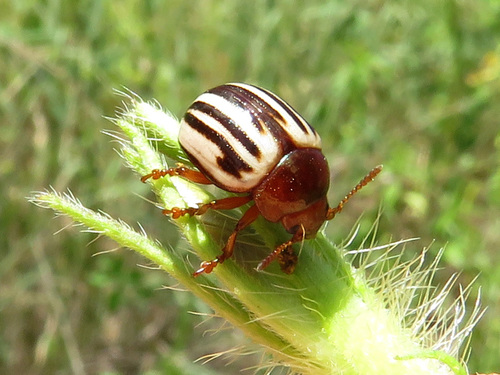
(325, 318)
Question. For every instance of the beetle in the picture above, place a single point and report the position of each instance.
(246, 140)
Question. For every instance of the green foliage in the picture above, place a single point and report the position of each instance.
(413, 85)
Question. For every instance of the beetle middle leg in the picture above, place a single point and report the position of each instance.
(199, 178)
(248, 218)
(220, 204)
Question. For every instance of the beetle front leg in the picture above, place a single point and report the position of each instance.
(287, 259)
(248, 218)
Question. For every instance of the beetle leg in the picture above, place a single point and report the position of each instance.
(287, 260)
(284, 253)
(220, 204)
(180, 170)
(367, 179)
(249, 217)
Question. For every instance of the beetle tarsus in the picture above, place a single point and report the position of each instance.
(287, 260)
(177, 212)
(206, 267)
(155, 175)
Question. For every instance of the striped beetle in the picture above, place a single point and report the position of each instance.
(245, 139)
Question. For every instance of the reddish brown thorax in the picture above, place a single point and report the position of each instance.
(295, 191)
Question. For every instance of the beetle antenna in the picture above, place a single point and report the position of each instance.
(368, 178)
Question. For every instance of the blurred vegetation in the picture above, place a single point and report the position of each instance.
(414, 85)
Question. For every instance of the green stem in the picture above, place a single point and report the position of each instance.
(325, 318)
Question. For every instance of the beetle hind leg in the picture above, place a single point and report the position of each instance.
(189, 174)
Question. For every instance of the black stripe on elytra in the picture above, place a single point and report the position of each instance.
(264, 117)
(266, 107)
(291, 112)
(230, 162)
(245, 100)
(230, 124)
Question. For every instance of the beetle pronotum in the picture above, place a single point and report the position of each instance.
(246, 140)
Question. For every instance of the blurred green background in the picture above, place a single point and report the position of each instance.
(414, 85)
